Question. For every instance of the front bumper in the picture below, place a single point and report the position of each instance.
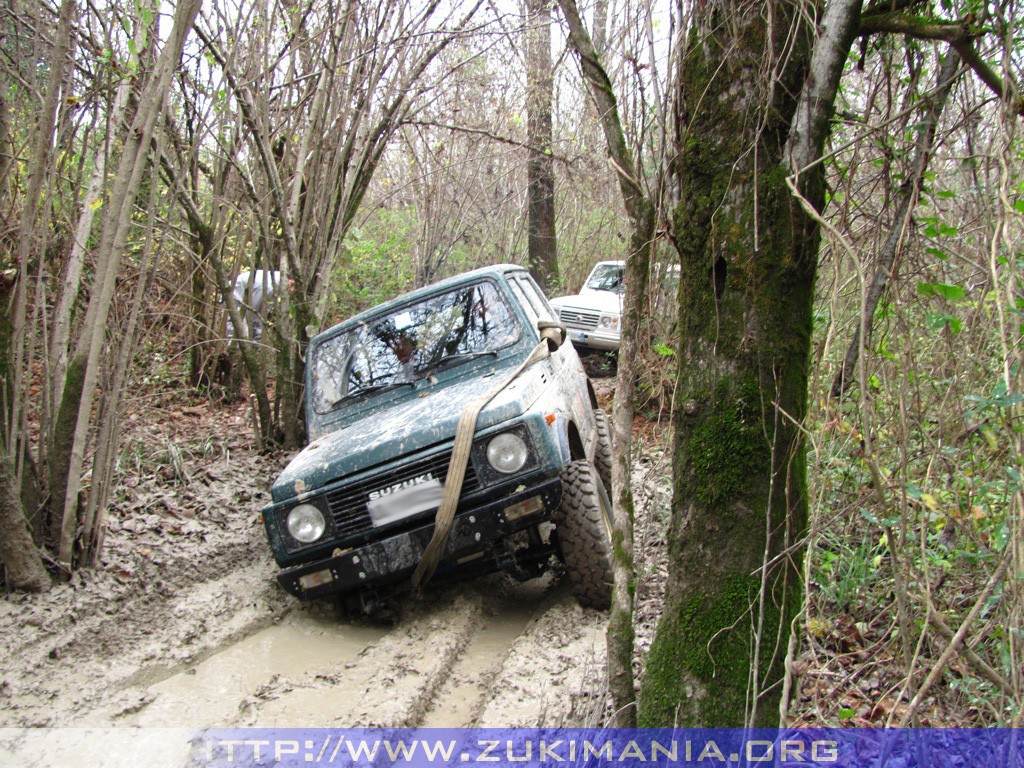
(394, 558)
(601, 340)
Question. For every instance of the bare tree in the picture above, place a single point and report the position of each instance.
(909, 191)
(71, 430)
(57, 437)
(345, 80)
(542, 252)
(641, 208)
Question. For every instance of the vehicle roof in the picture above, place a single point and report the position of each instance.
(496, 270)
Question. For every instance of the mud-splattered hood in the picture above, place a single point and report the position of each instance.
(427, 418)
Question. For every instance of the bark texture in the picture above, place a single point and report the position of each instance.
(748, 255)
(18, 553)
(542, 246)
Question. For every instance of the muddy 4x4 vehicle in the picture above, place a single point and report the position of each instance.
(359, 512)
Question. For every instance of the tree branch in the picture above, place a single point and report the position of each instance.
(600, 88)
(917, 26)
(960, 34)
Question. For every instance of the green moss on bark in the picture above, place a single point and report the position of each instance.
(747, 256)
(727, 447)
(709, 639)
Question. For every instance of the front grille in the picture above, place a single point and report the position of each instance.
(579, 319)
(348, 504)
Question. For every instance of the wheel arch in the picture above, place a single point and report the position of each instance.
(577, 449)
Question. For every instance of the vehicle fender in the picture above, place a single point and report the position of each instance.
(560, 428)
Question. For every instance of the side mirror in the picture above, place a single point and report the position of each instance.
(553, 332)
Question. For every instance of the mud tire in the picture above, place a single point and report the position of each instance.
(584, 525)
(603, 455)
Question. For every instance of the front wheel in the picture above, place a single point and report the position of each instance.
(603, 457)
(584, 524)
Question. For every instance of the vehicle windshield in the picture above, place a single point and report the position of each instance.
(606, 277)
(410, 343)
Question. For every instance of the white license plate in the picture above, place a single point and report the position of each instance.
(405, 502)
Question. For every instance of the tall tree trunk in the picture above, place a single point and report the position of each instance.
(109, 433)
(543, 255)
(29, 236)
(73, 418)
(18, 552)
(60, 323)
(642, 214)
(748, 255)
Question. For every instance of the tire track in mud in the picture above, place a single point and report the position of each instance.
(220, 645)
(529, 664)
(234, 650)
(478, 653)
(464, 693)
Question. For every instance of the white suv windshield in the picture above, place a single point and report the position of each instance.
(412, 342)
(606, 277)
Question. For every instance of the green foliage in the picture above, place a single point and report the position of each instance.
(379, 264)
(846, 571)
(948, 292)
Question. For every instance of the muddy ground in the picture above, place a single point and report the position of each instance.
(183, 625)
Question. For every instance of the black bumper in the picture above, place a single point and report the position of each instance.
(394, 558)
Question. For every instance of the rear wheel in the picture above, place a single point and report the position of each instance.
(584, 524)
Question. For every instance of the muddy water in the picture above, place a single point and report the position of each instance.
(219, 690)
(468, 653)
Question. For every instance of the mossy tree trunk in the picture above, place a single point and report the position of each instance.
(748, 255)
(19, 555)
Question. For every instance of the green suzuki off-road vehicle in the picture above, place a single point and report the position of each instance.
(354, 514)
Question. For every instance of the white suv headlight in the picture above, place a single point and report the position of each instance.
(306, 523)
(507, 453)
(611, 322)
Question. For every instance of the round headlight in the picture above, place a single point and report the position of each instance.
(306, 523)
(507, 453)
(610, 321)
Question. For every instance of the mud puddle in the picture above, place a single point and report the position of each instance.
(212, 692)
(466, 653)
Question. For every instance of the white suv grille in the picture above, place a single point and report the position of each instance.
(579, 319)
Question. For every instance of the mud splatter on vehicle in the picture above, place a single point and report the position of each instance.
(356, 514)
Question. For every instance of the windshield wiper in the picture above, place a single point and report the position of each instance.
(456, 359)
(372, 389)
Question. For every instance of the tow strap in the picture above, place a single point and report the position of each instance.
(552, 336)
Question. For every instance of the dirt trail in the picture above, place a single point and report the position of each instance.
(191, 630)
(184, 626)
(447, 663)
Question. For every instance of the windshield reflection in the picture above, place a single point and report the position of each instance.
(410, 343)
(607, 277)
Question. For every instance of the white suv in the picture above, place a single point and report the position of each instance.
(593, 317)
